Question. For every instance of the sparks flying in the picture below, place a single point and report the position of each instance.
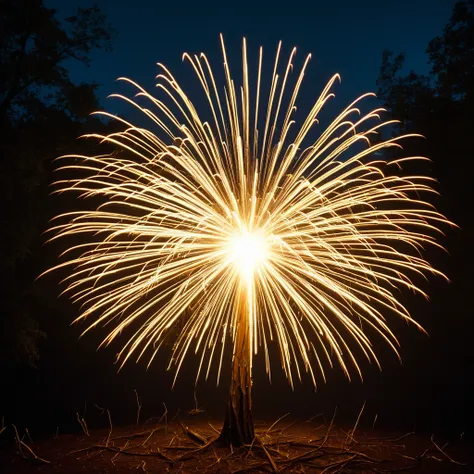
(315, 229)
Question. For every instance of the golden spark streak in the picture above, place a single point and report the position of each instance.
(202, 213)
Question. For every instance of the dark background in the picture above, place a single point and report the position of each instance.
(48, 373)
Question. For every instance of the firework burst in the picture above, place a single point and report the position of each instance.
(246, 220)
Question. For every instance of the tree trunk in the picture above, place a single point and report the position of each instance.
(238, 425)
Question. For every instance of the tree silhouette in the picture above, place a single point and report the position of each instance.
(439, 105)
(42, 111)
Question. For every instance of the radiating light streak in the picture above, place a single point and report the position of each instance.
(197, 214)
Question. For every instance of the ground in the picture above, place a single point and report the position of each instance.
(185, 446)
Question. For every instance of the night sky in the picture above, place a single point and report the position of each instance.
(344, 36)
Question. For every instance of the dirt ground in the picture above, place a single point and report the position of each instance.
(312, 446)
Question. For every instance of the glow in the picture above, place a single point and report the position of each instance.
(168, 246)
(248, 251)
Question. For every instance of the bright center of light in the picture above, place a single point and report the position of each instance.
(248, 250)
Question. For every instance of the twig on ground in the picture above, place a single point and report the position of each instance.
(152, 432)
(83, 424)
(139, 406)
(281, 433)
(249, 448)
(424, 455)
(165, 416)
(359, 454)
(110, 431)
(250, 468)
(114, 449)
(270, 459)
(214, 429)
(375, 420)
(196, 408)
(445, 454)
(3, 425)
(172, 439)
(175, 416)
(193, 435)
(125, 446)
(300, 444)
(138, 435)
(309, 420)
(351, 434)
(225, 458)
(28, 434)
(341, 464)
(288, 427)
(329, 429)
(390, 438)
(276, 422)
(304, 456)
(183, 448)
(21, 444)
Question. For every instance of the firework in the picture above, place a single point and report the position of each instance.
(246, 219)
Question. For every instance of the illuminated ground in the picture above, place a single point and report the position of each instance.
(288, 446)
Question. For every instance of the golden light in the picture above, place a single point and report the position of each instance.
(164, 246)
(248, 250)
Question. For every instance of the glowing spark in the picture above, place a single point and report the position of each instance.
(314, 235)
(248, 251)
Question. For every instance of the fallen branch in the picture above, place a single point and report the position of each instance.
(193, 435)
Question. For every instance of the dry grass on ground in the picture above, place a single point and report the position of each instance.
(159, 446)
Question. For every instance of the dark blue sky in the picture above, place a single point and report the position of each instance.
(343, 36)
